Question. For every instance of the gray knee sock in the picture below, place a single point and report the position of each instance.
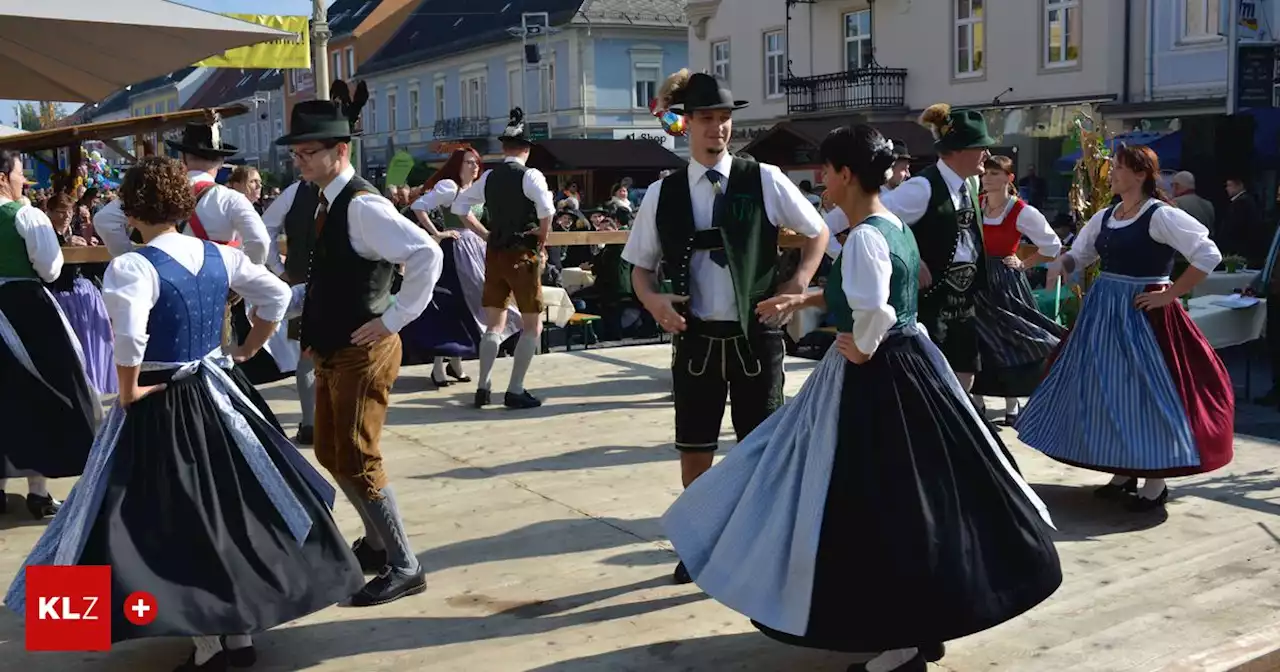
(526, 348)
(305, 379)
(372, 533)
(386, 517)
(489, 344)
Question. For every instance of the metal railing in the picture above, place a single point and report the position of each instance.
(873, 88)
(457, 128)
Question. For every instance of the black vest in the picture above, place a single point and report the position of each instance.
(938, 231)
(344, 290)
(511, 213)
(749, 239)
(300, 229)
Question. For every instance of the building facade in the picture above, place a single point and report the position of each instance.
(442, 82)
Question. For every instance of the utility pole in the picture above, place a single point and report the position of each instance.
(1233, 54)
(320, 45)
(535, 25)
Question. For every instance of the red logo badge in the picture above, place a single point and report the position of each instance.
(68, 608)
(140, 608)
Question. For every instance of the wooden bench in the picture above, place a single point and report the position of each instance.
(582, 323)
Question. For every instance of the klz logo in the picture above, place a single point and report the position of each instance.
(68, 608)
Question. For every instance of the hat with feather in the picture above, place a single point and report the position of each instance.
(204, 141)
(516, 132)
(684, 93)
(955, 129)
(334, 119)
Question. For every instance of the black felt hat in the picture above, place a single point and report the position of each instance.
(703, 92)
(200, 140)
(321, 120)
(900, 152)
(515, 132)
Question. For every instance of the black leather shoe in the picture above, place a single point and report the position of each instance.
(456, 373)
(916, 664)
(1117, 492)
(522, 400)
(306, 435)
(42, 507)
(218, 663)
(389, 586)
(371, 560)
(242, 657)
(483, 398)
(932, 653)
(440, 383)
(681, 575)
(1141, 504)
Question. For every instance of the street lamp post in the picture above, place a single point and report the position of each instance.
(320, 44)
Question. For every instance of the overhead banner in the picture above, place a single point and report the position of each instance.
(294, 52)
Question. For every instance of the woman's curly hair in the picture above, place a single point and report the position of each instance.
(156, 191)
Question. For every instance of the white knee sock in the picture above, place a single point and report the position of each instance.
(206, 648)
(1152, 488)
(526, 348)
(38, 486)
(1011, 406)
(437, 371)
(890, 660)
(489, 344)
(239, 641)
(305, 381)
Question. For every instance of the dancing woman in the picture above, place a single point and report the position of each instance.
(468, 254)
(81, 302)
(874, 512)
(1014, 337)
(1136, 390)
(190, 494)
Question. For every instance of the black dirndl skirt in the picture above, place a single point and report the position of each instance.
(47, 431)
(876, 510)
(1014, 337)
(179, 511)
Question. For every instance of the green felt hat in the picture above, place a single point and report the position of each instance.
(956, 129)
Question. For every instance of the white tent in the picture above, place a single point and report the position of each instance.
(6, 131)
(83, 50)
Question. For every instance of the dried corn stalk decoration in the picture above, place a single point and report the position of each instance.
(1091, 186)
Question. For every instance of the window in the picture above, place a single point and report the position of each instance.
(1062, 32)
(475, 97)
(240, 132)
(351, 62)
(369, 122)
(265, 132)
(391, 113)
(1201, 20)
(547, 88)
(279, 128)
(173, 105)
(337, 66)
(439, 93)
(857, 40)
(514, 89)
(970, 42)
(775, 63)
(253, 141)
(646, 84)
(720, 60)
(413, 107)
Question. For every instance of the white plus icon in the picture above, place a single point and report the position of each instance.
(141, 608)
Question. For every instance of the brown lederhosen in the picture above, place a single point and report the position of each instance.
(514, 272)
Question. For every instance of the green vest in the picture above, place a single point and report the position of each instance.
(904, 290)
(750, 240)
(14, 262)
(938, 232)
(452, 221)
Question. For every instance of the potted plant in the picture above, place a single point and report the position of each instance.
(1234, 263)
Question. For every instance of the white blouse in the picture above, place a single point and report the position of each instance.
(441, 196)
(131, 287)
(41, 241)
(1032, 224)
(1169, 226)
(865, 271)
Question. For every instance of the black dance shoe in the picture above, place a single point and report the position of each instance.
(916, 664)
(1116, 492)
(681, 575)
(440, 383)
(933, 652)
(218, 663)
(372, 560)
(483, 397)
(1141, 504)
(244, 656)
(520, 401)
(388, 586)
(42, 507)
(306, 435)
(456, 373)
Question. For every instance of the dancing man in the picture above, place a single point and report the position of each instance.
(520, 209)
(713, 228)
(47, 405)
(350, 323)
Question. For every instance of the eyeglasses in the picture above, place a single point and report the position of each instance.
(306, 154)
(470, 162)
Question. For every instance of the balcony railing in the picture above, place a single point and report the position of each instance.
(458, 128)
(873, 88)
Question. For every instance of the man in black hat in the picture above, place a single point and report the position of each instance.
(349, 325)
(520, 208)
(712, 227)
(223, 215)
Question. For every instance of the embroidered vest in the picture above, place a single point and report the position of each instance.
(14, 262)
(1001, 240)
(904, 283)
(186, 322)
(938, 232)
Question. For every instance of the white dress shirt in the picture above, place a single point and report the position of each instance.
(131, 287)
(711, 286)
(535, 189)
(1032, 224)
(865, 272)
(41, 241)
(910, 201)
(273, 220)
(838, 224)
(224, 213)
(1169, 226)
(378, 232)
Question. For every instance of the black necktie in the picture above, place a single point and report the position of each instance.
(719, 256)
